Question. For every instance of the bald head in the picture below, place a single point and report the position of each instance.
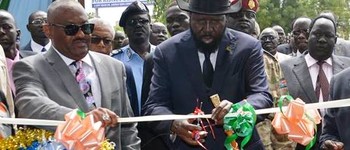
(104, 25)
(9, 33)
(158, 34)
(8, 16)
(57, 7)
(300, 33)
(35, 14)
(269, 40)
(102, 36)
(281, 33)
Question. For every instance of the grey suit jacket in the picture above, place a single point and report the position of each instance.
(47, 89)
(298, 78)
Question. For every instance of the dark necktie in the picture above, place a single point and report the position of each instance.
(43, 50)
(208, 71)
(84, 84)
(322, 83)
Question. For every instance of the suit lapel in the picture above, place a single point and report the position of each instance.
(103, 78)
(67, 78)
(223, 60)
(302, 74)
(338, 64)
(189, 54)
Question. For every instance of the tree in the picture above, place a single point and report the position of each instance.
(283, 12)
(159, 9)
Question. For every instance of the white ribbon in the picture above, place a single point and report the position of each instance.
(40, 122)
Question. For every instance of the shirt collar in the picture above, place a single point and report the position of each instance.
(311, 61)
(15, 59)
(130, 52)
(37, 46)
(68, 61)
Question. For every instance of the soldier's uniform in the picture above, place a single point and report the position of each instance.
(277, 87)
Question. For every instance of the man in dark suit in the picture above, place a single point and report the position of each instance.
(178, 81)
(304, 73)
(336, 132)
(49, 86)
(39, 42)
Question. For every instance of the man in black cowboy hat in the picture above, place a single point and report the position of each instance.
(207, 59)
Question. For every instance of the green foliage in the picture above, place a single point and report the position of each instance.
(160, 7)
(283, 12)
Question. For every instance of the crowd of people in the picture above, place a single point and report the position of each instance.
(205, 47)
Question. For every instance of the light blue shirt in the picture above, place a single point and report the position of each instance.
(135, 62)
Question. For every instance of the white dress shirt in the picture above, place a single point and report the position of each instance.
(89, 71)
(314, 68)
(37, 47)
(213, 57)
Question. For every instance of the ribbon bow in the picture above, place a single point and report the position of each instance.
(239, 122)
(80, 131)
(300, 125)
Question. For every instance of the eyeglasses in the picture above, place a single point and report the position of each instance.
(298, 32)
(97, 40)
(241, 14)
(134, 22)
(39, 21)
(265, 38)
(73, 29)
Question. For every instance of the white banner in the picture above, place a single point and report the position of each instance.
(116, 3)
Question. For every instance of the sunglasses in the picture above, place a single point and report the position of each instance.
(73, 29)
(135, 22)
(39, 21)
(97, 40)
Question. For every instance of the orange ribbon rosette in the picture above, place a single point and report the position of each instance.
(80, 132)
(297, 122)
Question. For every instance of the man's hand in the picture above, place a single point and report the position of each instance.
(107, 117)
(184, 128)
(332, 145)
(219, 112)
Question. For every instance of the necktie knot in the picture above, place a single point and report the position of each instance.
(43, 49)
(207, 54)
(320, 63)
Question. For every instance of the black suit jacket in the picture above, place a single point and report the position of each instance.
(336, 120)
(177, 82)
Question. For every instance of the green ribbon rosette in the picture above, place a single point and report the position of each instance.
(239, 122)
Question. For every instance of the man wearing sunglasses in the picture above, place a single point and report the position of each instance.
(39, 42)
(69, 76)
(102, 36)
(243, 20)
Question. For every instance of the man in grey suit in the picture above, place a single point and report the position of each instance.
(47, 87)
(302, 73)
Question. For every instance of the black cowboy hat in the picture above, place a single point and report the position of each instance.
(208, 7)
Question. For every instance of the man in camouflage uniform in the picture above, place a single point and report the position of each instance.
(277, 86)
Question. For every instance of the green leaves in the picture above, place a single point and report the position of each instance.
(283, 12)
